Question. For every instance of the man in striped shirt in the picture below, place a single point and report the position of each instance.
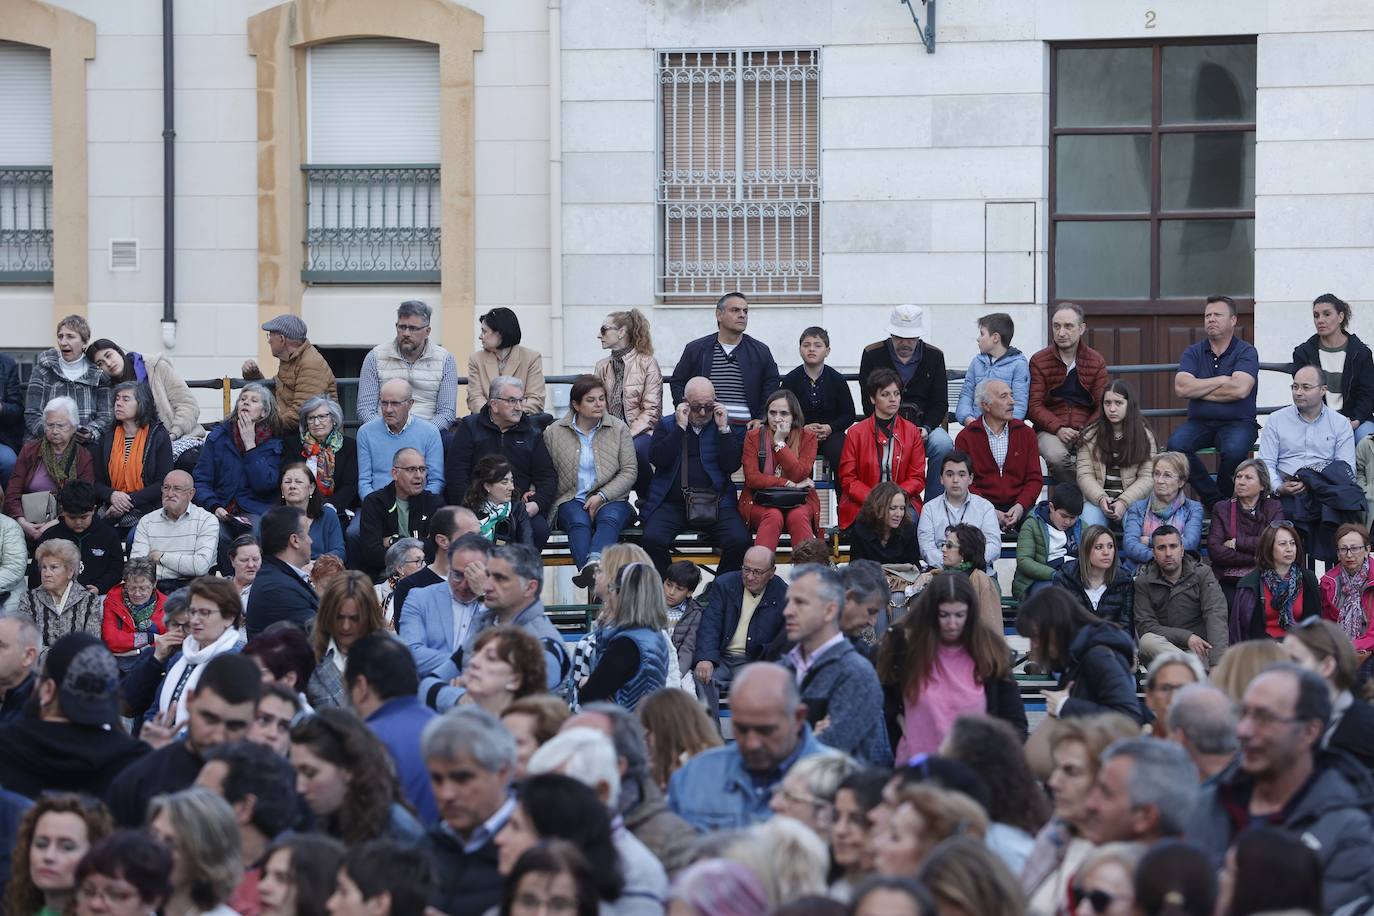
(740, 367)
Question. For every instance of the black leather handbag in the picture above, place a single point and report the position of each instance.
(783, 498)
(703, 505)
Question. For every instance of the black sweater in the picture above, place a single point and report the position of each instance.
(928, 388)
(836, 403)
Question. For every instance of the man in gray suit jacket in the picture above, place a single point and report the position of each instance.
(439, 620)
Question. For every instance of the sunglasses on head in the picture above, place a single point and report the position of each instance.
(1100, 901)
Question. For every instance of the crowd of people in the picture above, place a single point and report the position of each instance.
(274, 668)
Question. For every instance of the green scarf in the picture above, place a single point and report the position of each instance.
(51, 462)
(495, 515)
(142, 613)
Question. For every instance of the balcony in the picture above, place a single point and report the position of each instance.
(371, 224)
(25, 224)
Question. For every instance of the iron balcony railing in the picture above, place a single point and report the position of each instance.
(372, 224)
(25, 224)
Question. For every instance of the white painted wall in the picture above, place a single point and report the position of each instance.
(914, 147)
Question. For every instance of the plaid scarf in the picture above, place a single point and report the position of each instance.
(1282, 591)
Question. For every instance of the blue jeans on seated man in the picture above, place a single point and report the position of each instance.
(938, 445)
(8, 459)
(587, 536)
(1233, 439)
(1362, 431)
(670, 519)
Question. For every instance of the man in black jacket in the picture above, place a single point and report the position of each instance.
(221, 708)
(471, 761)
(741, 367)
(282, 589)
(401, 509)
(71, 746)
(742, 623)
(921, 369)
(102, 552)
(502, 428)
(11, 417)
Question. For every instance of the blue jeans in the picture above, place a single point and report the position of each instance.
(588, 537)
(1232, 438)
(1364, 429)
(8, 459)
(1092, 515)
(938, 445)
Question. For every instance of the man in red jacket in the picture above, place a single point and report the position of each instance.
(1067, 379)
(1006, 459)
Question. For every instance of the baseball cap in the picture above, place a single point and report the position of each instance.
(87, 679)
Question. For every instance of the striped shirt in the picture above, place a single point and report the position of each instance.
(729, 383)
(188, 544)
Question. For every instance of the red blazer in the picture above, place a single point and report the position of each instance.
(1020, 479)
(1048, 412)
(29, 461)
(797, 462)
(117, 629)
(860, 472)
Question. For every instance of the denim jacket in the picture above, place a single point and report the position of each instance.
(713, 791)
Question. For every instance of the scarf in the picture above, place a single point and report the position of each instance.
(52, 459)
(1349, 590)
(1157, 515)
(126, 470)
(325, 453)
(1282, 591)
(142, 613)
(965, 567)
(181, 678)
(616, 397)
(494, 516)
(260, 435)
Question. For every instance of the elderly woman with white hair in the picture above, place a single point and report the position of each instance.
(807, 792)
(44, 465)
(59, 605)
(331, 456)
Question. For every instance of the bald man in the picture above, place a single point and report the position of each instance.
(393, 429)
(181, 537)
(696, 438)
(729, 787)
(741, 623)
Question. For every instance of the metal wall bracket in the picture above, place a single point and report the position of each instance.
(928, 33)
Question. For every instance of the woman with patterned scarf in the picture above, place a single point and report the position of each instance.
(1166, 505)
(634, 383)
(1280, 593)
(491, 495)
(133, 613)
(331, 456)
(45, 464)
(1348, 588)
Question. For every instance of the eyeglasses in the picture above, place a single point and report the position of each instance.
(755, 572)
(411, 469)
(319, 418)
(411, 328)
(1100, 901)
(171, 489)
(205, 612)
(182, 625)
(702, 408)
(1349, 551)
(1282, 523)
(607, 328)
(112, 894)
(386, 404)
(518, 399)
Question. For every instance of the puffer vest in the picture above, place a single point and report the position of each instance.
(423, 374)
(653, 663)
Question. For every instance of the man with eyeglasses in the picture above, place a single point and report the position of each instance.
(430, 369)
(1309, 450)
(1282, 779)
(502, 427)
(401, 509)
(741, 623)
(181, 537)
(380, 438)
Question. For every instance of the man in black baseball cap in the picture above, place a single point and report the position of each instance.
(74, 743)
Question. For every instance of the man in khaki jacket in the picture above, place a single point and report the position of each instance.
(302, 373)
(1178, 603)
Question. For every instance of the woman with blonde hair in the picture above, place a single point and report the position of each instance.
(922, 818)
(1105, 884)
(966, 877)
(533, 720)
(789, 858)
(52, 838)
(631, 659)
(676, 729)
(198, 827)
(634, 383)
(1166, 505)
(348, 611)
(1241, 662)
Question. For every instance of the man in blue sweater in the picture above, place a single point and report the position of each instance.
(844, 702)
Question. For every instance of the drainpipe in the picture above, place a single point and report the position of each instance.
(556, 181)
(169, 160)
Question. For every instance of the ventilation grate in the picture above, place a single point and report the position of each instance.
(124, 254)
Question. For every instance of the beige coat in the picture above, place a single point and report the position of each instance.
(1137, 480)
(523, 363)
(643, 392)
(616, 468)
(177, 407)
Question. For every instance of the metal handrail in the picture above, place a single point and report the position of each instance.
(226, 384)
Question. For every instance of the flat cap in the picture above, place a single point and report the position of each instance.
(288, 326)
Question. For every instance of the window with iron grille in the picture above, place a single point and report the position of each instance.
(26, 203)
(739, 189)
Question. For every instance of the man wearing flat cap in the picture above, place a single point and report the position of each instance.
(302, 373)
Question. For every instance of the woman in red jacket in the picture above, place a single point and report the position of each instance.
(133, 612)
(881, 447)
(781, 453)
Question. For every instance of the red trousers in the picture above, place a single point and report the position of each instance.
(768, 523)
